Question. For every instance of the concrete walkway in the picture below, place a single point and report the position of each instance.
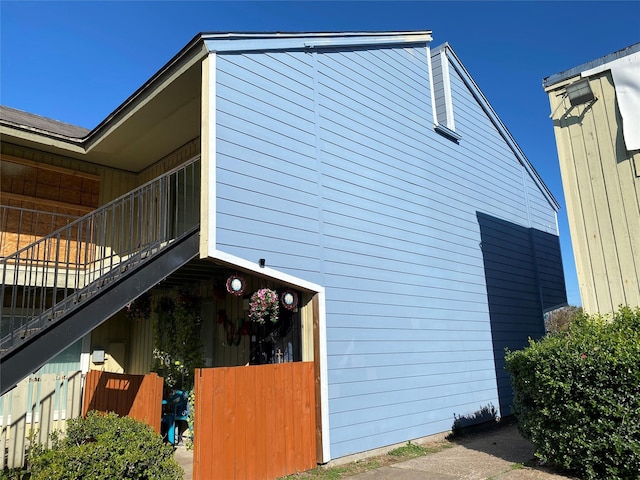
(500, 454)
(184, 458)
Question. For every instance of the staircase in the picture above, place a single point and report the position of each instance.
(64, 285)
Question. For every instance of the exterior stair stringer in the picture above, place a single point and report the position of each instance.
(38, 349)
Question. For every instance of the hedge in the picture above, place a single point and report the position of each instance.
(577, 395)
(104, 447)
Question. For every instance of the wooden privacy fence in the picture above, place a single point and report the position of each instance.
(43, 403)
(254, 422)
(135, 396)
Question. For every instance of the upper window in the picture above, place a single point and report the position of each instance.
(444, 121)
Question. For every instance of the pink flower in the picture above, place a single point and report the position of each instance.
(264, 305)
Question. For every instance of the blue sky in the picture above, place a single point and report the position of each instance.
(77, 61)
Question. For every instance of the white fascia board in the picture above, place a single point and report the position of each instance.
(432, 91)
(504, 132)
(208, 147)
(253, 267)
(234, 43)
(42, 137)
(324, 376)
(439, 48)
(448, 101)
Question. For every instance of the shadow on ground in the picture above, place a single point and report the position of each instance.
(501, 439)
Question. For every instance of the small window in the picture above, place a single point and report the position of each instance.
(444, 122)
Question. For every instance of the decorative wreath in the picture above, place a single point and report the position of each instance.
(264, 305)
(289, 299)
(236, 285)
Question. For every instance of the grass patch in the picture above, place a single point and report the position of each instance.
(410, 450)
(400, 454)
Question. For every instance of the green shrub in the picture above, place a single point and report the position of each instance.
(105, 447)
(577, 395)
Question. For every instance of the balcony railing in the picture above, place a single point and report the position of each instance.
(20, 227)
(60, 271)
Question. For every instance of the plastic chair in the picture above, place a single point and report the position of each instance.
(177, 411)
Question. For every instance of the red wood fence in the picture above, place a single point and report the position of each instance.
(135, 396)
(254, 422)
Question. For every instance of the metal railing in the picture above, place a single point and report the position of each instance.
(60, 271)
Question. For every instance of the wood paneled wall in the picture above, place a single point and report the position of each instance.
(135, 396)
(601, 183)
(255, 422)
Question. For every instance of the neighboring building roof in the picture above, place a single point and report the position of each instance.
(625, 72)
(30, 121)
(572, 72)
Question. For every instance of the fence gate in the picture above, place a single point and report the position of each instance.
(254, 422)
(135, 396)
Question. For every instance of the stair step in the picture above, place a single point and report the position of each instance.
(28, 332)
(56, 314)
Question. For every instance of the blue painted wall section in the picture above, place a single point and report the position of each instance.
(523, 279)
(329, 167)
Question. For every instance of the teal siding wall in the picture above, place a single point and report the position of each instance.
(66, 361)
(329, 168)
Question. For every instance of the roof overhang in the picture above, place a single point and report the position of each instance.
(165, 112)
(161, 116)
(562, 78)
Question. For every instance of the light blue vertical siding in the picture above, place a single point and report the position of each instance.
(328, 167)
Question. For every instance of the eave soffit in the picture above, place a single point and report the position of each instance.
(173, 92)
(120, 133)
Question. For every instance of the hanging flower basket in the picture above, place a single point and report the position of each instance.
(264, 305)
(236, 285)
(140, 308)
(289, 299)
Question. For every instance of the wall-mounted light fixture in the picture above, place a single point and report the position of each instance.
(580, 92)
(98, 356)
(262, 262)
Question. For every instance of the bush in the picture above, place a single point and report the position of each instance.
(577, 395)
(105, 447)
(559, 320)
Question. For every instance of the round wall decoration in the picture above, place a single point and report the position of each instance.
(289, 299)
(236, 285)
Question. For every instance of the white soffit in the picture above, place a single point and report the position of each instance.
(625, 72)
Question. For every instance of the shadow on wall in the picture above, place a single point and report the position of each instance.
(524, 277)
(487, 415)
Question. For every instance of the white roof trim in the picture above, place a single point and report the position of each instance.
(284, 41)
